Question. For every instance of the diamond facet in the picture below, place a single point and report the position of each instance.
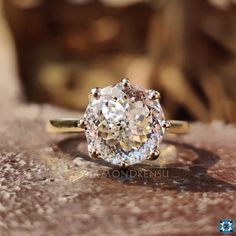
(123, 124)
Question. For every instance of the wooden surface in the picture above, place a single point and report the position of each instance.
(48, 185)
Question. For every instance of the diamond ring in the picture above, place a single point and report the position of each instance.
(123, 124)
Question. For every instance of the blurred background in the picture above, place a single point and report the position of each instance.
(59, 49)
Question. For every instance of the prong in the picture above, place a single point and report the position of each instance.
(95, 155)
(95, 92)
(154, 155)
(154, 95)
(132, 99)
(167, 124)
(82, 124)
(124, 165)
(125, 82)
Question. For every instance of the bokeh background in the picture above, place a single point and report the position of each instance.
(60, 49)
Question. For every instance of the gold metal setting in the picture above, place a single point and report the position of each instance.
(78, 126)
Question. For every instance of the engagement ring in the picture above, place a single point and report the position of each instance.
(123, 124)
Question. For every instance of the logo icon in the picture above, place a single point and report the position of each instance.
(226, 226)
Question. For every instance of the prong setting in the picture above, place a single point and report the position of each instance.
(95, 92)
(154, 95)
(167, 124)
(125, 143)
(154, 155)
(124, 165)
(95, 155)
(125, 82)
(82, 124)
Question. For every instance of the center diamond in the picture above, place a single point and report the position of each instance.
(124, 124)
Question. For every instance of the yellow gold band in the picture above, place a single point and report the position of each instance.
(178, 127)
(73, 126)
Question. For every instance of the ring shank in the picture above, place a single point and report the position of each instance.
(64, 126)
(72, 125)
(178, 127)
